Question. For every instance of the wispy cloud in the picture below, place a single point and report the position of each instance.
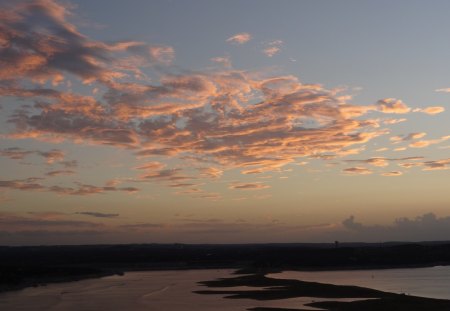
(240, 38)
(35, 184)
(273, 47)
(392, 173)
(410, 136)
(430, 110)
(248, 186)
(60, 172)
(357, 170)
(98, 214)
(15, 153)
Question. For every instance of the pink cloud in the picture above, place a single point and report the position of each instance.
(240, 38)
(357, 171)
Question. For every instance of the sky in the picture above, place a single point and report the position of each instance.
(224, 121)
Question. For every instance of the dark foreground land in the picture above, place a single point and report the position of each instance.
(33, 266)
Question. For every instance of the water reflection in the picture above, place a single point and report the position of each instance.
(432, 282)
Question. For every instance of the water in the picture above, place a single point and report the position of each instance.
(149, 290)
(433, 282)
(173, 290)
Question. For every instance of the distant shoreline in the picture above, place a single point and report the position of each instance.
(22, 267)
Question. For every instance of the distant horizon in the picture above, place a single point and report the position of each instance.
(221, 122)
(328, 244)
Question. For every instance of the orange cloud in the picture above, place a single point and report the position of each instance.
(392, 173)
(426, 143)
(431, 110)
(392, 105)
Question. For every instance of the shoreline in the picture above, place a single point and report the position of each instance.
(30, 266)
(238, 270)
(367, 299)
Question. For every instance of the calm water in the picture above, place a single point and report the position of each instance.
(172, 290)
(150, 290)
(431, 282)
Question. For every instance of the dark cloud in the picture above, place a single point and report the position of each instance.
(248, 186)
(143, 226)
(431, 165)
(60, 172)
(98, 214)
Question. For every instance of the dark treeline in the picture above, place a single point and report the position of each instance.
(34, 265)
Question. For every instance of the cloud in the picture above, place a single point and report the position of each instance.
(15, 153)
(357, 170)
(69, 164)
(392, 173)
(33, 184)
(85, 189)
(162, 54)
(29, 184)
(431, 110)
(152, 166)
(431, 165)
(98, 214)
(39, 43)
(210, 172)
(60, 172)
(240, 38)
(373, 161)
(394, 121)
(165, 175)
(227, 118)
(426, 143)
(225, 61)
(392, 105)
(13, 221)
(272, 48)
(410, 136)
(143, 226)
(422, 228)
(436, 165)
(378, 162)
(445, 90)
(212, 120)
(248, 186)
(52, 155)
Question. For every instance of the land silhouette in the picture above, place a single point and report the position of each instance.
(26, 266)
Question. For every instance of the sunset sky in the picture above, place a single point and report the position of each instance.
(224, 121)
